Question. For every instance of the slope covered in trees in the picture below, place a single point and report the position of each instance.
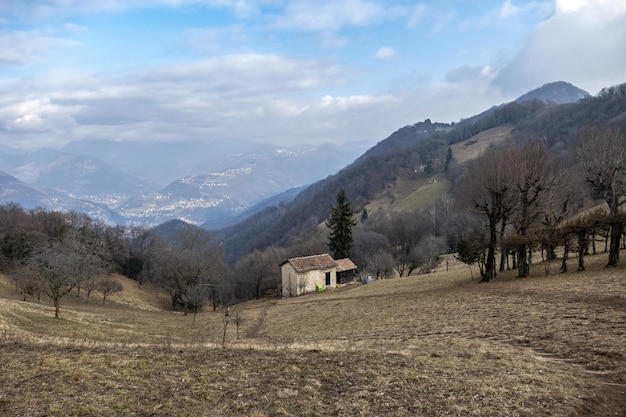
(422, 149)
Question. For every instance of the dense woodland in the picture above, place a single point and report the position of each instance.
(557, 188)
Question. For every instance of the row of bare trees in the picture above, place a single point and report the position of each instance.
(528, 195)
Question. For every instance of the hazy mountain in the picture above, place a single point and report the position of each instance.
(163, 163)
(14, 190)
(273, 201)
(558, 92)
(216, 197)
(229, 177)
(78, 175)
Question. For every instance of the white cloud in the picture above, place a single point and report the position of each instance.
(569, 5)
(22, 48)
(508, 13)
(385, 52)
(582, 43)
(508, 9)
(416, 15)
(328, 16)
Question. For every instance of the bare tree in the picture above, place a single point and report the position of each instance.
(368, 249)
(238, 316)
(429, 250)
(258, 272)
(90, 284)
(472, 250)
(601, 154)
(534, 176)
(488, 187)
(61, 267)
(107, 286)
(28, 282)
(188, 267)
(381, 264)
(225, 321)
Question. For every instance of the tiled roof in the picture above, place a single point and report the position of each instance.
(345, 264)
(309, 263)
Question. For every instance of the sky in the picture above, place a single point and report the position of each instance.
(286, 71)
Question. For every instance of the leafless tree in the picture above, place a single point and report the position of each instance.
(238, 316)
(488, 187)
(61, 267)
(28, 281)
(601, 154)
(381, 264)
(226, 316)
(534, 177)
(258, 272)
(188, 267)
(368, 251)
(106, 285)
(90, 284)
(429, 249)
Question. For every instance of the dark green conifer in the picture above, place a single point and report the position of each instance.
(340, 222)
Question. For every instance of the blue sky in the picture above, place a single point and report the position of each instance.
(286, 71)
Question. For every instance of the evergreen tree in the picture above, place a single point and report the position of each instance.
(340, 223)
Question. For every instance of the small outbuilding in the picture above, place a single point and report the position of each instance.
(345, 270)
(310, 273)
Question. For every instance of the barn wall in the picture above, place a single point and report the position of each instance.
(290, 280)
(298, 284)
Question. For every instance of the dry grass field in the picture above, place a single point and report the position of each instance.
(430, 345)
(476, 145)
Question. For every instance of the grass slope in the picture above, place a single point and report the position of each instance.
(411, 193)
(473, 147)
(435, 344)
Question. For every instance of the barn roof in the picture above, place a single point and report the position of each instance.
(309, 263)
(345, 264)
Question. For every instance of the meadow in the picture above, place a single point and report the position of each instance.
(427, 345)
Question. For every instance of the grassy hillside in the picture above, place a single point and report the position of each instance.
(411, 193)
(473, 147)
(435, 344)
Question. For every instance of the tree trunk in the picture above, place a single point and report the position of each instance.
(523, 266)
(490, 264)
(593, 242)
(57, 307)
(503, 253)
(616, 236)
(582, 248)
(565, 255)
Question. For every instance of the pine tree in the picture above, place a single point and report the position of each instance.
(340, 223)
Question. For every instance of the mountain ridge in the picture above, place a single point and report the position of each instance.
(375, 174)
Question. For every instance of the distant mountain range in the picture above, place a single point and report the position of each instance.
(133, 183)
(213, 184)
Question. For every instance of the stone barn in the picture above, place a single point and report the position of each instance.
(308, 273)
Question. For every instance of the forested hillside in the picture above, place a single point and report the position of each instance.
(421, 150)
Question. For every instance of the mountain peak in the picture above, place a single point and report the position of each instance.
(559, 92)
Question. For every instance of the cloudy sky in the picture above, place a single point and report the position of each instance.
(286, 71)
